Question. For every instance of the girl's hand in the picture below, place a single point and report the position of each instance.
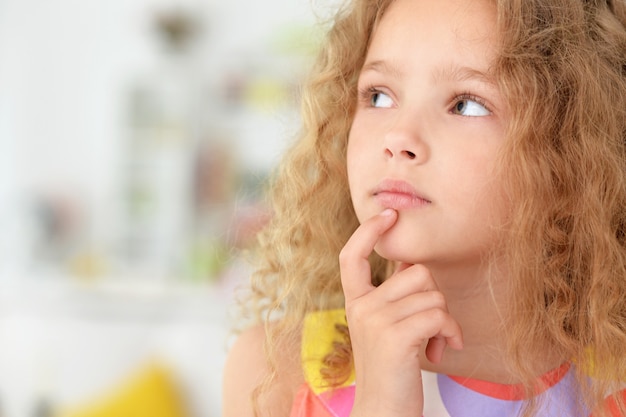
(389, 324)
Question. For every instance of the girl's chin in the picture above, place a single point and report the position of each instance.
(395, 254)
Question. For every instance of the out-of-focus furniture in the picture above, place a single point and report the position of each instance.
(64, 343)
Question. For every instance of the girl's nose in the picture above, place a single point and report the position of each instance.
(403, 142)
(400, 153)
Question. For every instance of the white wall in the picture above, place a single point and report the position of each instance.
(65, 68)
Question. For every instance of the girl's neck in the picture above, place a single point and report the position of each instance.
(478, 303)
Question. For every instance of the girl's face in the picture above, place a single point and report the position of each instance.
(427, 130)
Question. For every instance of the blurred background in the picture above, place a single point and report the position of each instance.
(135, 139)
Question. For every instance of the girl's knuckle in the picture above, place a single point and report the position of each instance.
(344, 257)
(438, 315)
(422, 271)
(437, 298)
(357, 311)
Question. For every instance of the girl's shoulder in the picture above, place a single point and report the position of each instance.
(446, 395)
(615, 401)
(613, 405)
(247, 368)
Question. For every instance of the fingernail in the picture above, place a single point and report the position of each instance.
(387, 212)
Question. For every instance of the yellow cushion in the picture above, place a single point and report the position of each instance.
(151, 392)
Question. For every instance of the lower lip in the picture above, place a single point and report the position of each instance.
(400, 201)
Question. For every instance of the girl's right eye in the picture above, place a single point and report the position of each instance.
(379, 99)
(373, 97)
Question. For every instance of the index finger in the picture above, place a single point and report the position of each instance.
(356, 275)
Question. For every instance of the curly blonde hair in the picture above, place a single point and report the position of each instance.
(562, 71)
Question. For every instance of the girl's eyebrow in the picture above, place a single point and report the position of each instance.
(450, 72)
(384, 67)
(462, 73)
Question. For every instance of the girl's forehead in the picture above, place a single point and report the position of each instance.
(459, 29)
(469, 18)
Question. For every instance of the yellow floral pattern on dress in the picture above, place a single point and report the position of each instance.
(318, 336)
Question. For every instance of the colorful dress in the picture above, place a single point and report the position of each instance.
(444, 395)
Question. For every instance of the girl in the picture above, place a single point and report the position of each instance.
(449, 233)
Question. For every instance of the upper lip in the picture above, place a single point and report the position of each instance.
(399, 187)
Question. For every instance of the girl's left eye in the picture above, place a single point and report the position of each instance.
(466, 106)
(379, 99)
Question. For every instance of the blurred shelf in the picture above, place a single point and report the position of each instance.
(116, 299)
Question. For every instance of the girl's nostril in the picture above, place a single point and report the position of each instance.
(410, 154)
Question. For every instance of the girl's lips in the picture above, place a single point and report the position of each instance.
(399, 195)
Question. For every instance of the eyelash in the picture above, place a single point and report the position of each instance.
(469, 96)
(366, 93)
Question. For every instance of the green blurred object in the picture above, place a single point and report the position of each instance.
(298, 40)
(207, 259)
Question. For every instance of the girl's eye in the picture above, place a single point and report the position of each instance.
(382, 100)
(470, 107)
